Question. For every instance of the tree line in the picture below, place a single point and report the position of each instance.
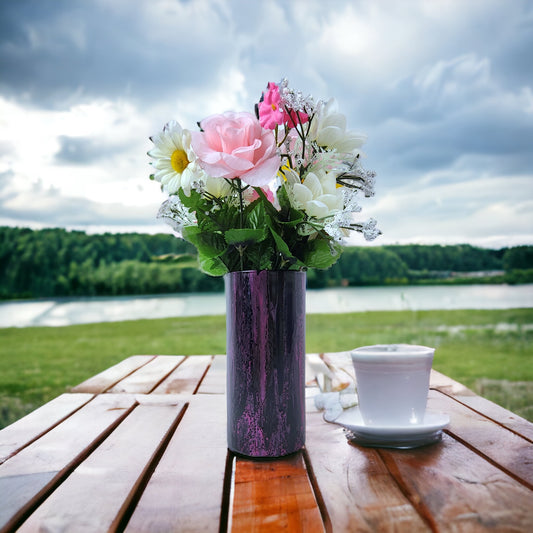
(56, 263)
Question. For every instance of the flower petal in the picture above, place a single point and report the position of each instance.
(301, 195)
(317, 209)
(312, 182)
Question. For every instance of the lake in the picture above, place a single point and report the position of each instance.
(68, 311)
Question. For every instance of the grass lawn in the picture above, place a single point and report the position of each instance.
(37, 364)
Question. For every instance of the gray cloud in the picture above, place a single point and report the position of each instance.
(444, 91)
(451, 111)
(83, 150)
(56, 52)
(46, 206)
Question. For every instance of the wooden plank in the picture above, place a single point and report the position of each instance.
(29, 475)
(449, 386)
(112, 375)
(215, 379)
(111, 475)
(497, 413)
(274, 496)
(186, 377)
(505, 448)
(457, 490)
(494, 411)
(186, 489)
(32, 426)
(146, 378)
(357, 490)
(162, 399)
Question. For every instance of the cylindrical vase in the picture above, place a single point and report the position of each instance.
(265, 340)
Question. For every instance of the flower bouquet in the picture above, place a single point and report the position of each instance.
(263, 198)
(272, 191)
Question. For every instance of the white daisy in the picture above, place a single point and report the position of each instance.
(174, 159)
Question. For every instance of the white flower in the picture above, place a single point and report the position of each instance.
(174, 159)
(328, 128)
(317, 195)
(217, 187)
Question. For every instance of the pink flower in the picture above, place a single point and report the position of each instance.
(254, 195)
(234, 145)
(270, 113)
(296, 117)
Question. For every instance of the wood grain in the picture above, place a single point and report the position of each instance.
(215, 380)
(112, 375)
(29, 475)
(272, 496)
(357, 489)
(448, 386)
(147, 377)
(490, 409)
(153, 457)
(506, 418)
(24, 431)
(185, 491)
(503, 447)
(93, 497)
(186, 377)
(459, 491)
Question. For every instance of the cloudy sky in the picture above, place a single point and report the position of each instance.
(442, 88)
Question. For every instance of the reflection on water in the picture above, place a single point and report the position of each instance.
(340, 300)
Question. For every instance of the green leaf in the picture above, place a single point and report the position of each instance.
(259, 257)
(270, 210)
(283, 198)
(321, 253)
(190, 233)
(193, 201)
(281, 245)
(245, 236)
(295, 217)
(212, 265)
(256, 217)
(208, 244)
(282, 248)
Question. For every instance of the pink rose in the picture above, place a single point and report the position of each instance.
(234, 145)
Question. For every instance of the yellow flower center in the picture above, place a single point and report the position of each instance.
(179, 161)
(274, 107)
(281, 171)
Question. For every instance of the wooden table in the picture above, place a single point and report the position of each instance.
(142, 447)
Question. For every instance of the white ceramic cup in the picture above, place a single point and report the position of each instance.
(392, 383)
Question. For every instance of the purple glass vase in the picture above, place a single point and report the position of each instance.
(265, 327)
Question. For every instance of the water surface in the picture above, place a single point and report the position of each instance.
(64, 312)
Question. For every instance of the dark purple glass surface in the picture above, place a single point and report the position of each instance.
(265, 327)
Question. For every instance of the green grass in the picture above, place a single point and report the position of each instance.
(37, 364)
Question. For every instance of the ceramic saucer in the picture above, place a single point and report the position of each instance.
(402, 437)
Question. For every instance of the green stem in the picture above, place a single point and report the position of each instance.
(241, 218)
(241, 202)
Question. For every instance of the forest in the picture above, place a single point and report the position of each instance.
(51, 263)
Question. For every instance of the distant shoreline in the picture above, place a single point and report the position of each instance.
(66, 311)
